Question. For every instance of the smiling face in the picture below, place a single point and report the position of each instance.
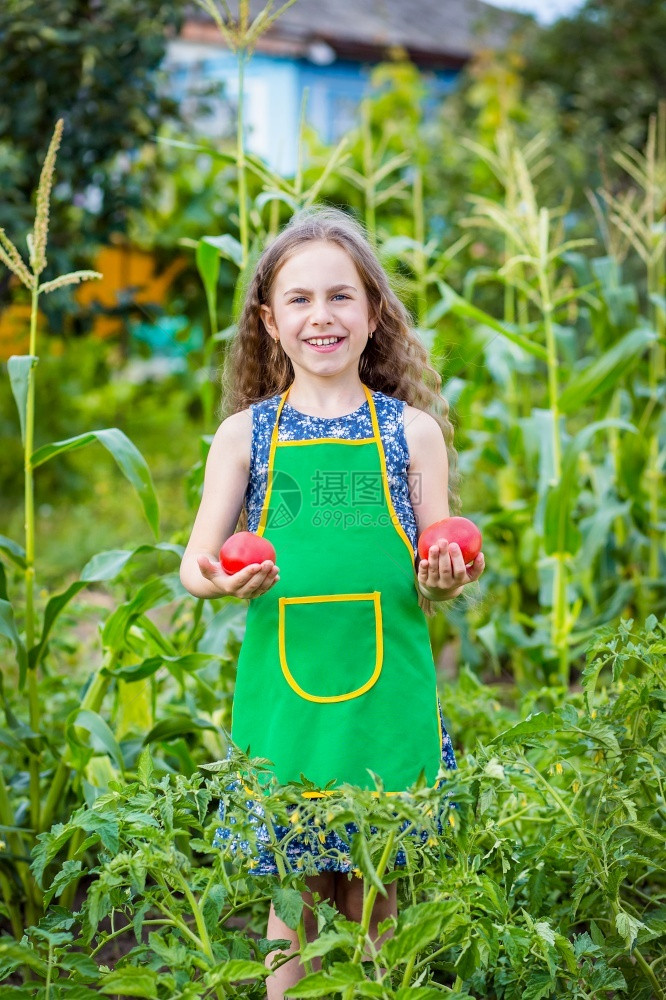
(319, 310)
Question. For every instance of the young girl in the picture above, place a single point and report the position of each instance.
(335, 450)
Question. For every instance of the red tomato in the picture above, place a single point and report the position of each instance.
(454, 529)
(244, 548)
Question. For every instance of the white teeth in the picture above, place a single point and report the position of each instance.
(321, 342)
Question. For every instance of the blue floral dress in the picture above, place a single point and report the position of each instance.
(297, 426)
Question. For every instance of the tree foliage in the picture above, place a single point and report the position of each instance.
(607, 64)
(94, 64)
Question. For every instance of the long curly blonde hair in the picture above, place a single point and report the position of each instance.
(394, 361)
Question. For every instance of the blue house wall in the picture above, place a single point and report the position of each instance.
(274, 89)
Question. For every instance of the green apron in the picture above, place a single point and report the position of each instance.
(335, 674)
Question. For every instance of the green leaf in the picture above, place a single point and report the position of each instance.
(367, 989)
(646, 830)
(138, 919)
(19, 367)
(459, 307)
(8, 740)
(177, 725)
(327, 942)
(107, 565)
(8, 629)
(566, 950)
(208, 265)
(539, 985)
(47, 847)
(53, 609)
(12, 951)
(127, 456)
(288, 905)
(144, 767)
(13, 551)
(569, 538)
(70, 872)
(150, 595)
(659, 301)
(189, 662)
(595, 528)
(606, 371)
(228, 333)
(322, 984)
(227, 246)
(410, 940)
(235, 969)
(538, 434)
(266, 197)
(361, 856)
(419, 925)
(102, 737)
(131, 981)
(83, 965)
(230, 619)
(558, 536)
(469, 959)
(420, 993)
(138, 671)
(536, 725)
(217, 894)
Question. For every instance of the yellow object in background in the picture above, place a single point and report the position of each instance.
(15, 330)
(123, 269)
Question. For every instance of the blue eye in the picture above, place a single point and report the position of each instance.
(340, 295)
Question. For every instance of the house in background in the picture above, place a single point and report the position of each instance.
(326, 48)
(323, 48)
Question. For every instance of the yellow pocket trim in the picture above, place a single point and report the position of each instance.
(379, 644)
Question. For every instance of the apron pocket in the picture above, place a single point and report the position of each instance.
(331, 647)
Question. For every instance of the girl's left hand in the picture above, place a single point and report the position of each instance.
(444, 574)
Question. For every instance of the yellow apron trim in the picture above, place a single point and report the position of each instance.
(377, 438)
(322, 795)
(271, 465)
(298, 444)
(379, 644)
(395, 520)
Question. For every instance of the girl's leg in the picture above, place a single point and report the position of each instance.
(290, 973)
(349, 901)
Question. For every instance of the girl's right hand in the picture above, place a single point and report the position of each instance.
(252, 581)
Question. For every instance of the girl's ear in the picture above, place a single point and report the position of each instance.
(267, 318)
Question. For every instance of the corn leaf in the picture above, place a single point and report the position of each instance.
(127, 456)
(604, 373)
(19, 367)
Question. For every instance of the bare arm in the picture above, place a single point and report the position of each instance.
(225, 482)
(443, 574)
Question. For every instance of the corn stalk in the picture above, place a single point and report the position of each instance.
(639, 214)
(534, 238)
(22, 376)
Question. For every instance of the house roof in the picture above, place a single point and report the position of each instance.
(444, 32)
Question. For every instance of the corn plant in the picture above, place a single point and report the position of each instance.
(241, 33)
(537, 269)
(640, 216)
(50, 773)
(377, 166)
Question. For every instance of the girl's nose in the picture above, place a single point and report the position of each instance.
(320, 314)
